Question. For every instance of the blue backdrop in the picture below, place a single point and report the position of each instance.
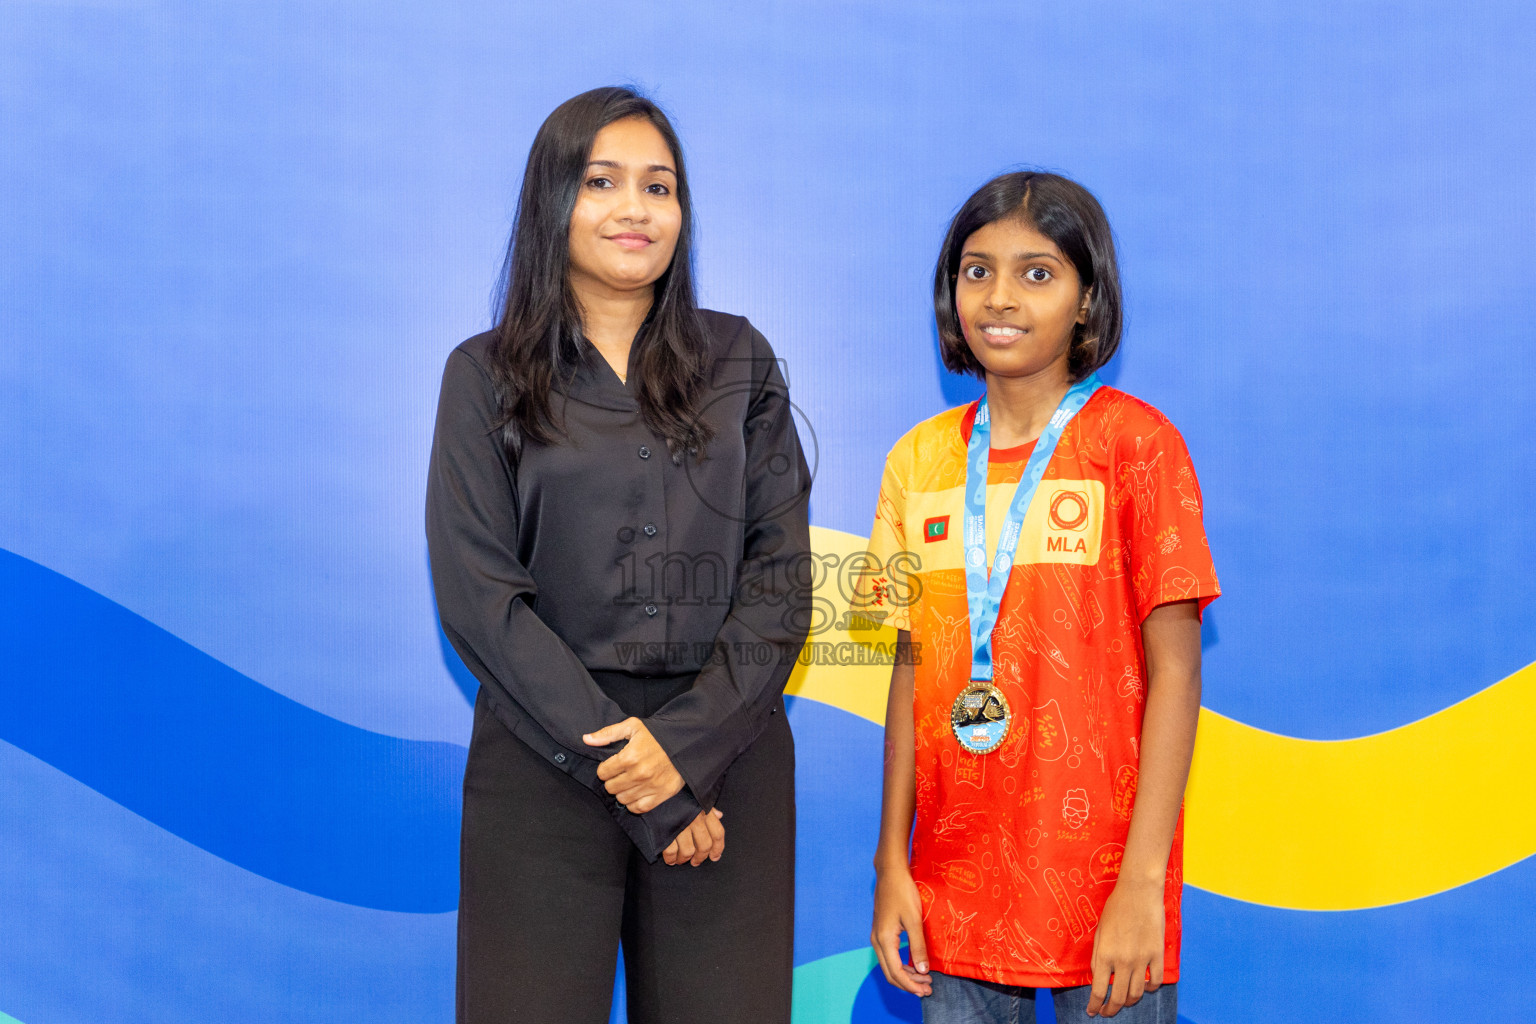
(239, 240)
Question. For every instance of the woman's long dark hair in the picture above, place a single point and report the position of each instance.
(538, 334)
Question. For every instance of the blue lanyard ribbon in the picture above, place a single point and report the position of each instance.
(984, 595)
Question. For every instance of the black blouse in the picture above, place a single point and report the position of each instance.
(605, 552)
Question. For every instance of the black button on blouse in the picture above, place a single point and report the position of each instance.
(541, 577)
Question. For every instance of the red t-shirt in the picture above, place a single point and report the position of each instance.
(1015, 851)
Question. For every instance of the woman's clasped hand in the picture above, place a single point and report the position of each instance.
(642, 776)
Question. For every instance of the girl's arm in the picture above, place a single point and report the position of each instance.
(1129, 940)
(897, 906)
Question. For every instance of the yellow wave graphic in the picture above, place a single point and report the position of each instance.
(1306, 824)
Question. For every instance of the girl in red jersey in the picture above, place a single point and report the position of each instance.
(1041, 722)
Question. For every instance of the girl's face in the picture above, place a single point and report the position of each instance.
(1018, 299)
(626, 221)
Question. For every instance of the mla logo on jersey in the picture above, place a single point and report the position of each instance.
(1068, 520)
(1068, 515)
(1069, 510)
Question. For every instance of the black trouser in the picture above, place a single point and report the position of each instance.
(549, 886)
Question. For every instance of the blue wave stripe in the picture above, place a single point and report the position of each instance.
(109, 918)
(264, 782)
(227, 764)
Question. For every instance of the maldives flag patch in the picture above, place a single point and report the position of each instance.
(936, 528)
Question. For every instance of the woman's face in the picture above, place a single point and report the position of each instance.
(627, 218)
(1018, 298)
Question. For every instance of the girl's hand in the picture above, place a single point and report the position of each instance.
(1128, 943)
(899, 909)
(703, 840)
(641, 775)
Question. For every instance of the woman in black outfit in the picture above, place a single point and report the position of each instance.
(616, 514)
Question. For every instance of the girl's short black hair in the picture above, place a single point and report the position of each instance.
(1066, 213)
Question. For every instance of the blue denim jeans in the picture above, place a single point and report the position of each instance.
(967, 1001)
